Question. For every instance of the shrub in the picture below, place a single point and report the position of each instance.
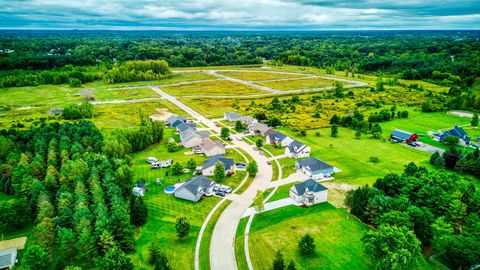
(306, 245)
(374, 159)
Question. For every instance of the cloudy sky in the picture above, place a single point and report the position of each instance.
(240, 14)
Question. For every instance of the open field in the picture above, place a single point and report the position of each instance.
(211, 88)
(124, 94)
(288, 166)
(306, 83)
(36, 96)
(352, 155)
(337, 237)
(258, 76)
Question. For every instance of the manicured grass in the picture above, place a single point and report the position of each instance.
(124, 94)
(352, 155)
(204, 256)
(258, 76)
(298, 84)
(211, 88)
(288, 166)
(276, 172)
(276, 151)
(337, 236)
(239, 245)
(282, 192)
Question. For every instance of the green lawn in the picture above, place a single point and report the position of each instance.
(352, 156)
(288, 166)
(298, 84)
(35, 96)
(211, 88)
(282, 192)
(338, 237)
(276, 151)
(239, 245)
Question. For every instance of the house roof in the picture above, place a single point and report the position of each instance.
(233, 115)
(208, 145)
(296, 146)
(314, 164)
(259, 127)
(226, 162)
(247, 118)
(184, 126)
(172, 119)
(309, 185)
(404, 135)
(7, 257)
(195, 185)
(190, 134)
(457, 132)
(277, 136)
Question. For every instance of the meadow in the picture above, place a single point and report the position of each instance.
(304, 83)
(258, 76)
(124, 94)
(211, 88)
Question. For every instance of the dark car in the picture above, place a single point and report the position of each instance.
(219, 193)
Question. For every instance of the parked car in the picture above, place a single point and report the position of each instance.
(219, 193)
(269, 162)
(261, 153)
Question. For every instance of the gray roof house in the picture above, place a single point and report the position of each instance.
(308, 193)
(8, 258)
(231, 116)
(278, 138)
(259, 128)
(190, 138)
(315, 168)
(212, 148)
(297, 149)
(194, 189)
(175, 120)
(209, 165)
(184, 126)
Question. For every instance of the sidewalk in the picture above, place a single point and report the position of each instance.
(269, 206)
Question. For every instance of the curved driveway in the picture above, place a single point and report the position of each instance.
(222, 245)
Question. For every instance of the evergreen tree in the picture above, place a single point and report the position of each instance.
(306, 245)
(219, 172)
(474, 121)
(191, 164)
(252, 168)
(115, 259)
(182, 227)
(278, 261)
(177, 169)
(138, 211)
(334, 131)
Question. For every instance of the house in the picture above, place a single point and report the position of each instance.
(268, 132)
(308, 193)
(457, 132)
(315, 168)
(138, 191)
(185, 126)
(175, 120)
(212, 148)
(248, 120)
(192, 138)
(231, 116)
(403, 136)
(278, 138)
(8, 258)
(209, 165)
(297, 149)
(194, 189)
(259, 128)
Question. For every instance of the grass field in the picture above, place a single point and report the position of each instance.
(211, 88)
(109, 116)
(239, 245)
(307, 83)
(258, 76)
(288, 166)
(124, 94)
(35, 96)
(352, 156)
(338, 237)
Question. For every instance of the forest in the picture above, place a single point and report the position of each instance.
(74, 185)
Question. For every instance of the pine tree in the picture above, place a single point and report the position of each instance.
(138, 212)
(219, 172)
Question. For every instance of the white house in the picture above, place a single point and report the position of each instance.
(315, 168)
(212, 148)
(8, 258)
(308, 193)
(278, 138)
(194, 189)
(297, 149)
(209, 165)
(231, 116)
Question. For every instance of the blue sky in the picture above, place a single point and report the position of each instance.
(240, 14)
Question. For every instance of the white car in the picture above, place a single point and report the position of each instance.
(151, 160)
